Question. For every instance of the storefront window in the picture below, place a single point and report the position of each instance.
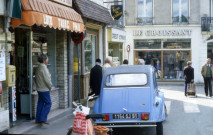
(116, 51)
(147, 44)
(42, 44)
(151, 58)
(173, 64)
(89, 52)
(170, 60)
(177, 44)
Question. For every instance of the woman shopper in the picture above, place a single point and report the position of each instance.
(43, 86)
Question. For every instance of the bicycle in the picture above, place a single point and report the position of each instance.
(98, 129)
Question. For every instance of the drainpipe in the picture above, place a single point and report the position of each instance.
(30, 71)
(69, 69)
(104, 42)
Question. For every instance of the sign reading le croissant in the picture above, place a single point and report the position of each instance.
(116, 11)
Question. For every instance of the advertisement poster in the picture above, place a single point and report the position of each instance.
(14, 102)
(0, 88)
(2, 65)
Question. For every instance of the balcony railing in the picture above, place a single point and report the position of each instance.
(207, 23)
(180, 20)
(144, 20)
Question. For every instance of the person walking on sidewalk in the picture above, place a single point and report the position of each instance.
(207, 73)
(96, 78)
(43, 86)
(125, 63)
(188, 74)
(108, 63)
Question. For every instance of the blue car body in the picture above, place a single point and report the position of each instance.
(127, 100)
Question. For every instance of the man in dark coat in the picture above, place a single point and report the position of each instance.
(189, 75)
(96, 78)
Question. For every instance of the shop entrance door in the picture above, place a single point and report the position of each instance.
(23, 62)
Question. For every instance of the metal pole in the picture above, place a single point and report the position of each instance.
(112, 1)
(69, 69)
(79, 74)
(30, 71)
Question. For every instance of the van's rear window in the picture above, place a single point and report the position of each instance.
(126, 80)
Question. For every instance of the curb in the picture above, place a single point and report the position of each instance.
(26, 126)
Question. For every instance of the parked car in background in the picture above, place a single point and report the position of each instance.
(130, 98)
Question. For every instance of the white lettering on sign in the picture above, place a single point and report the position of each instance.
(48, 20)
(118, 35)
(137, 32)
(63, 23)
(178, 32)
(76, 26)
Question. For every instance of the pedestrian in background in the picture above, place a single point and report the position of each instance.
(108, 63)
(96, 78)
(43, 86)
(125, 62)
(188, 74)
(207, 73)
(141, 62)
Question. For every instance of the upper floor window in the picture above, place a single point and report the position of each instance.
(211, 8)
(180, 11)
(144, 12)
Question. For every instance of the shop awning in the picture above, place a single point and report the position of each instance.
(47, 13)
(94, 11)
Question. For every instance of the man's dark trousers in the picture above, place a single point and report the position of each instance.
(208, 85)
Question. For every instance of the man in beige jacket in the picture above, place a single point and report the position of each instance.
(207, 73)
(43, 85)
(108, 63)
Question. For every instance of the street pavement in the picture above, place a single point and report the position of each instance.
(186, 116)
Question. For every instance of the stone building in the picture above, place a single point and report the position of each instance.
(168, 33)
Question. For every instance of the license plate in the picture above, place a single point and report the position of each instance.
(125, 116)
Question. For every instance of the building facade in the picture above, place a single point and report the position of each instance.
(167, 34)
(45, 27)
(96, 17)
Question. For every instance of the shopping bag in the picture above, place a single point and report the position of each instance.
(80, 124)
(190, 88)
(83, 109)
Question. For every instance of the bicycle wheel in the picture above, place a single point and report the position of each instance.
(69, 131)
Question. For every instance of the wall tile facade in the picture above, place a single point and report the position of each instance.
(62, 68)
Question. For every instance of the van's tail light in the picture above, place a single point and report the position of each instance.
(106, 117)
(145, 116)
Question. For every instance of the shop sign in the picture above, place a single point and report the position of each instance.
(116, 11)
(118, 35)
(64, 2)
(48, 20)
(169, 32)
(2, 65)
(61, 23)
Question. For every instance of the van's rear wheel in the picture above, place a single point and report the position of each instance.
(159, 128)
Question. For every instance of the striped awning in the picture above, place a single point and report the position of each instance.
(47, 13)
